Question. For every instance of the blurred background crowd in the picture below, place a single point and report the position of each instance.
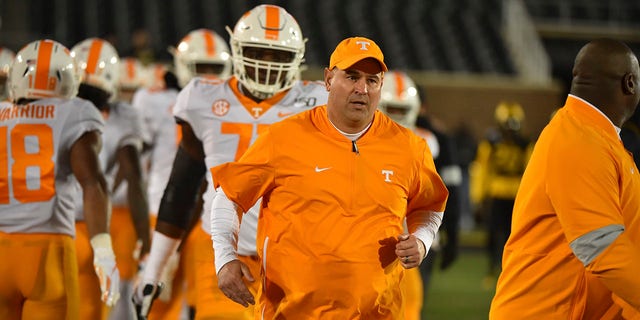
(491, 50)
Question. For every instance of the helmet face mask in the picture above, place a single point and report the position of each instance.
(267, 50)
(99, 65)
(399, 99)
(512, 124)
(267, 67)
(203, 53)
(43, 69)
(400, 113)
(204, 68)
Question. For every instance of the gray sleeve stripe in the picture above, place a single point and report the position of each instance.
(588, 246)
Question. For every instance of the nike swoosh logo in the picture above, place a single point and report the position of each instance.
(322, 169)
(284, 114)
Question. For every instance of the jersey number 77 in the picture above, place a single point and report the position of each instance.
(245, 132)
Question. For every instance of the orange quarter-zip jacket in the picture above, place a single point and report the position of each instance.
(331, 213)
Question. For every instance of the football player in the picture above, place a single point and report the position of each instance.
(219, 120)
(500, 161)
(201, 53)
(120, 160)
(48, 137)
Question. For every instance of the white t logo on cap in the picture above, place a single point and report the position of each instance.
(364, 45)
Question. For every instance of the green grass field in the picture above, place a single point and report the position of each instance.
(458, 292)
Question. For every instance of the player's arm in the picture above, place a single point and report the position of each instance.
(174, 215)
(197, 210)
(131, 170)
(85, 166)
(179, 198)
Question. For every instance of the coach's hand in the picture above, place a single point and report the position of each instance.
(410, 250)
(231, 284)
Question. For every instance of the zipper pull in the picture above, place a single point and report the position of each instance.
(354, 147)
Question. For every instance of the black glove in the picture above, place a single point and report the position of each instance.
(143, 298)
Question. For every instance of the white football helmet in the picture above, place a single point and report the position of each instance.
(42, 69)
(133, 74)
(98, 63)
(266, 27)
(201, 46)
(399, 98)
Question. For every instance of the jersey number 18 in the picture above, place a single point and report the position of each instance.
(29, 163)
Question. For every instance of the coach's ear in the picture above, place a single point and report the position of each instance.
(328, 78)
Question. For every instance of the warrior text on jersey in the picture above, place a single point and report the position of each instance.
(28, 111)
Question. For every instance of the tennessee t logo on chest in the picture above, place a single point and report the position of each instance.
(387, 174)
(257, 111)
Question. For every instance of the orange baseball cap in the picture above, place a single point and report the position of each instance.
(351, 50)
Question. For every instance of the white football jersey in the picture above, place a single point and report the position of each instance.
(123, 127)
(161, 132)
(36, 182)
(226, 122)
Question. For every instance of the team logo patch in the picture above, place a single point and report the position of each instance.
(220, 107)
